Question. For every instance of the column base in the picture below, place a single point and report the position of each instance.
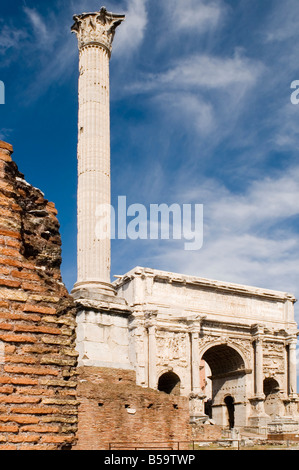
(94, 290)
(258, 420)
(100, 296)
(196, 406)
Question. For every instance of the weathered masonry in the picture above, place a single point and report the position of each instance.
(230, 348)
(38, 406)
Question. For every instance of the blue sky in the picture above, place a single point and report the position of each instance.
(200, 113)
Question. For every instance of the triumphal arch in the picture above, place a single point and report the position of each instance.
(230, 349)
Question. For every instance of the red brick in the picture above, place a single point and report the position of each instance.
(40, 309)
(9, 283)
(8, 213)
(20, 358)
(20, 316)
(19, 399)
(4, 157)
(19, 419)
(11, 262)
(4, 201)
(6, 326)
(34, 287)
(37, 410)
(18, 380)
(6, 186)
(24, 438)
(4, 271)
(7, 447)
(6, 146)
(8, 428)
(10, 233)
(13, 243)
(6, 389)
(40, 428)
(25, 275)
(57, 439)
(17, 338)
(9, 251)
(30, 370)
(37, 447)
(37, 329)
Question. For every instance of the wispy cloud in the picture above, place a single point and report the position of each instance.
(197, 16)
(10, 37)
(283, 22)
(203, 71)
(39, 26)
(5, 133)
(131, 33)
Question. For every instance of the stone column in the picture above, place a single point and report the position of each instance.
(258, 418)
(152, 367)
(259, 392)
(292, 368)
(95, 33)
(196, 397)
(195, 379)
(152, 349)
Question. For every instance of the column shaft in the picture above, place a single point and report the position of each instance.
(292, 368)
(93, 163)
(152, 358)
(195, 379)
(95, 33)
(259, 367)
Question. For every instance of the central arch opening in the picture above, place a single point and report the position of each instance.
(226, 393)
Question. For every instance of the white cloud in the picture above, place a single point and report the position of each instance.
(286, 136)
(205, 95)
(283, 22)
(188, 107)
(131, 32)
(10, 37)
(5, 133)
(206, 72)
(197, 16)
(38, 24)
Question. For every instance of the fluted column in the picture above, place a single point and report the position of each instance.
(195, 363)
(259, 392)
(152, 357)
(292, 367)
(95, 32)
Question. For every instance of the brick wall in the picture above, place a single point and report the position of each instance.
(113, 409)
(38, 406)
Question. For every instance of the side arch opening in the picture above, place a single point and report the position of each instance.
(169, 383)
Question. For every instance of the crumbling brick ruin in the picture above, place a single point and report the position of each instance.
(115, 412)
(38, 406)
(46, 401)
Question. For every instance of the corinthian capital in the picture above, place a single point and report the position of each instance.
(96, 28)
